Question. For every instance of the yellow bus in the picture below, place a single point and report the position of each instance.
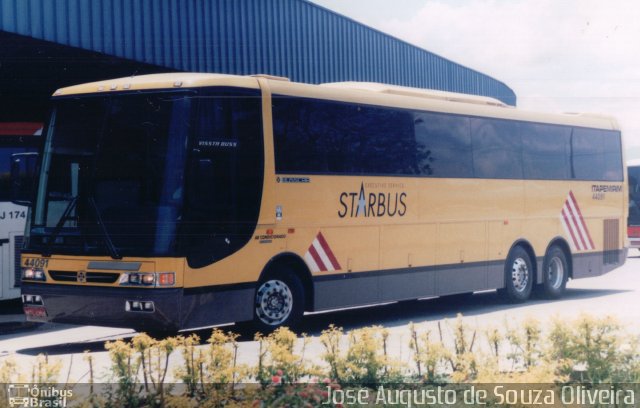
(177, 201)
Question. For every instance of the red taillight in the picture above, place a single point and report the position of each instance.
(633, 232)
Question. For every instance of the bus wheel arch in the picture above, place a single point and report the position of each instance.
(297, 265)
(520, 272)
(282, 293)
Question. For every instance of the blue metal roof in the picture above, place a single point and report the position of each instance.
(292, 38)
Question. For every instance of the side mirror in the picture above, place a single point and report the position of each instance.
(23, 177)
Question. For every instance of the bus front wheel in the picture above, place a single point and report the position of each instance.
(279, 301)
(519, 275)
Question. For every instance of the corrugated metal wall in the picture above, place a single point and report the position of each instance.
(292, 38)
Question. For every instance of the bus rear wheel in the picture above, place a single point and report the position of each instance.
(556, 273)
(519, 276)
(279, 301)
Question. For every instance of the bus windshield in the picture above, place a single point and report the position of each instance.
(151, 174)
(112, 175)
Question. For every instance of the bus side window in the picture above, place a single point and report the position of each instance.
(225, 181)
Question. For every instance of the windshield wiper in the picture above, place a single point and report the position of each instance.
(113, 251)
(66, 215)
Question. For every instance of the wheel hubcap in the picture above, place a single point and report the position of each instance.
(274, 302)
(519, 274)
(555, 273)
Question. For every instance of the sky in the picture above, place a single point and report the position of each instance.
(557, 55)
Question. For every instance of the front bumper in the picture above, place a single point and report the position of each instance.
(105, 306)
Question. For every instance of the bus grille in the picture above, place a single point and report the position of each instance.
(92, 277)
(17, 270)
(611, 254)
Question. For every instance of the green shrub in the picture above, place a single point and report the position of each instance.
(588, 349)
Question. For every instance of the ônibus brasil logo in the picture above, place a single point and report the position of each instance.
(372, 204)
(32, 395)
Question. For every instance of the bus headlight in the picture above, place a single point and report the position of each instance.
(143, 279)
(34, 274)
(148, 279)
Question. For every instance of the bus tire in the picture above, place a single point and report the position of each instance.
(556, 273)
(279, 301)
(519, 276)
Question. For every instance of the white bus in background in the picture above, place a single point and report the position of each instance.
(633, 225)
(15, 137)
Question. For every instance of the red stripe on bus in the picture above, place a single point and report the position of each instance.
(570, 228)
(584, 224)
(575, 222)
(316, 257)
(328, 252)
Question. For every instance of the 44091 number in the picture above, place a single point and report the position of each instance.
(36, 262)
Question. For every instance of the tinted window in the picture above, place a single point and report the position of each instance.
(10, 145)
(634, 195)
(226, 172)
(443, 145)
(319, 137)
(110, 178)
(307, 138)
(545, 151)
(328, 137)
(385, 140)
(596, 155)
(612, 156)
(497, 149)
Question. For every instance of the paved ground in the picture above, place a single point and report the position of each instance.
(616, 294)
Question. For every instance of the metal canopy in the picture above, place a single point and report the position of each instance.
(292, 38)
